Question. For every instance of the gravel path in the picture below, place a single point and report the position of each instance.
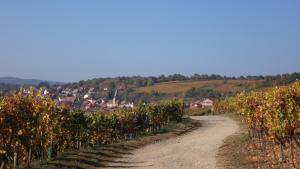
(195, 150)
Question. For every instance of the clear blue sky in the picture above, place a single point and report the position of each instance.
(73, 40)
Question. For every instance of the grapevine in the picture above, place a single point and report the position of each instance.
(33, 126)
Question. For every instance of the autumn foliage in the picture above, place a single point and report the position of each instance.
(272, 117)
(33, 126)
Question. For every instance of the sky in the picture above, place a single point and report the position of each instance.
(72, 40)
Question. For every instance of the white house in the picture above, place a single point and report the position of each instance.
(92, 101)
(207, 103)
(86, 96)
(129, 105)
(46, 92)
(195, 105)
(91, 90)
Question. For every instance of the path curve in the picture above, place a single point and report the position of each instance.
(195, 150)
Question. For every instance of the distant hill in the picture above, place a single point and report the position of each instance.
(19, 81)
(180, 87)
(148, 89)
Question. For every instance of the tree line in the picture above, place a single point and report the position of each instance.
(140, 81)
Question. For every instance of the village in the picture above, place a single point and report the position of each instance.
(86, 100)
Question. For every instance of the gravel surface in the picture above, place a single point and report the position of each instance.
(195, 150)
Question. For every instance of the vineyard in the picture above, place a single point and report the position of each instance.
(34, 127)
(273, 121)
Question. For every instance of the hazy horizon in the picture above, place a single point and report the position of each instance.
(71, 41)
(187, 75)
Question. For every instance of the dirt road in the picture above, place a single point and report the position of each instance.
(195, 150)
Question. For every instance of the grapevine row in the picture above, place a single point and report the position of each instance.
(271, 115)
(34, 126)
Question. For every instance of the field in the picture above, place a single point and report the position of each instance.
(218, 85)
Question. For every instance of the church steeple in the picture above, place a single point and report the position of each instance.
(115, 98)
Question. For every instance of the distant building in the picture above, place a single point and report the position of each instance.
(114, 102)
(126, 105)
(91, 90)
(110, 104)
(92, 101)
(86, 96)
(206, 103)
(26, 91)
(66, 91)
(69, 101)
(196, 105)
(75, 92)
(46, 92)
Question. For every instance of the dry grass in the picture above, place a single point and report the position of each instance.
(182, 87)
